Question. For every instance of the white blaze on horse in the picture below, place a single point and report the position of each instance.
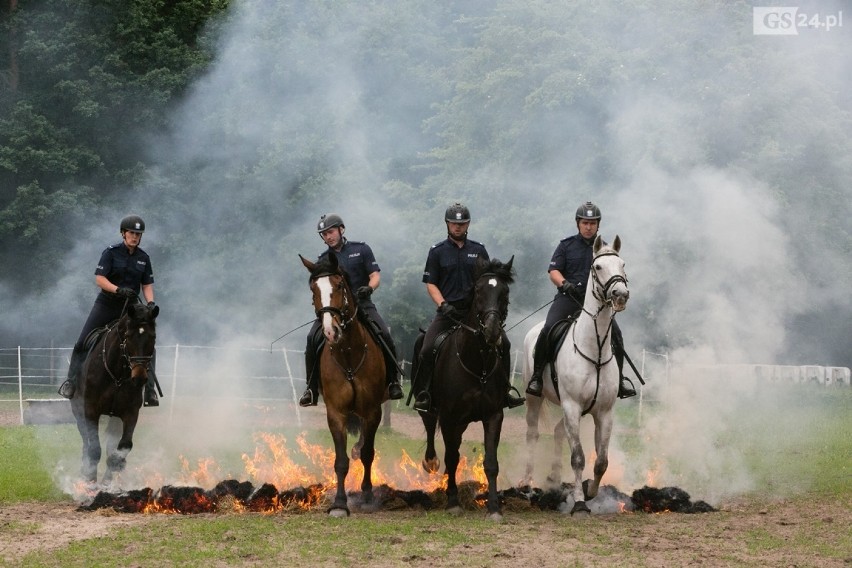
(587, 374)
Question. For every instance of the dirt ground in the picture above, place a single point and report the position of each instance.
(711, 539)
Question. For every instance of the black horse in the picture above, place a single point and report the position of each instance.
(469, 381)
(111, 383)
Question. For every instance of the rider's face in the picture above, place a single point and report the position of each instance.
(132, 239)
(588, 227)
(332, 237)
(457, 230)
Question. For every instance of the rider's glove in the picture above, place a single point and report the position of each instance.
(446, 309)
(151, 305)
(125, 293)
(364, 292)
(567, 288)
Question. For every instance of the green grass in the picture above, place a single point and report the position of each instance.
(25, 465)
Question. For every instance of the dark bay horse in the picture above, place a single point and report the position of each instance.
(469, 381)
(352, 374)
(110, 384)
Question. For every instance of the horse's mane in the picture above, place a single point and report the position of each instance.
(495, 266)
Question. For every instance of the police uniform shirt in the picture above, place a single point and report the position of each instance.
(451, 268)
(573, 258)
(123, 269)
(356, 258)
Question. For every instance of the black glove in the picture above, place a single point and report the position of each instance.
(125, 293)
(567, 288)
(363, 292)
(152, 305)
(446, 309)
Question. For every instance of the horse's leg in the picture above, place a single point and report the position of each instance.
(337, 426)
(368, 452)
(555, 477)
(430, 463)
(492, 427)
(117, 458)
(533, 412)
(452, 434)
(91, 448)
(356, 449)
(571, 419)
(603, 430)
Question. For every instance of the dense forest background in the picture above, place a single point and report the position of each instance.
(722, 158)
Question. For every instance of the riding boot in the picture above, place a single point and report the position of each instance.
(392, 372)
(540, 356)
(70, 385)
(311, 394)
(421, 384)
(625, 385)
(150, 397)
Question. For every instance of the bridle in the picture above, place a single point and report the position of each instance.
(480, 331)
(340, 313)
(132, 360)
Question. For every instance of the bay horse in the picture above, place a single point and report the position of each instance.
(469, 381)
(352, 374)
(587, 375)
(111, 383)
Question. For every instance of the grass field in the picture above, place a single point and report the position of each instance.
(797, 514)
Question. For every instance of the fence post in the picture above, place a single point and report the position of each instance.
(293, 386)
(174, 383)
(20, 385)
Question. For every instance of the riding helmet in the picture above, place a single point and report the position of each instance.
(457, 213)
(133, 223)
(327, 222)
(588, 210)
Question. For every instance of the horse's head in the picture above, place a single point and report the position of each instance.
(610, 280)
(491, 298)
(334, 302)
(138, 332)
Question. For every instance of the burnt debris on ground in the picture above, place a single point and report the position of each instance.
(233, 495)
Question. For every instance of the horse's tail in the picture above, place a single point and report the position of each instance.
(353, 424)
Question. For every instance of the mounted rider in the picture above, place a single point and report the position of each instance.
(122, 269)
(569, 272)
(449, 282)
(363, 273)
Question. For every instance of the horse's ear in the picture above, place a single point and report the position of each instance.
(596, 247)
(308, 264)
(480, 265)
(616, 244)
(332, 260)
(508, 265)
(155, 312)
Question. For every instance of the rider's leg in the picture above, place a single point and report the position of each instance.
(423, 402)
(70, 385)
(150, 397)
(511, 400)
(100, 315)
(311, 394)
(625, 385)
(540, 358)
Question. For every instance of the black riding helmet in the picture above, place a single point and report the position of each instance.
(327, 222)
(457, 213)
(133, 223)
(588, 210)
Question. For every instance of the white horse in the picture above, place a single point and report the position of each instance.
(587, 373)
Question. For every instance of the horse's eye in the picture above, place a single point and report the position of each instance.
(597, 267)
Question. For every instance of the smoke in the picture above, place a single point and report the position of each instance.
(351, 109)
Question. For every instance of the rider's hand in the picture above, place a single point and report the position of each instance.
(364, 292)
(446, 309)
(125, 293)
(151, 305)
(567, 288)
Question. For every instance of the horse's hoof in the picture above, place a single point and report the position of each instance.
(338, 512)
(431, 466)
(581, 509)
(496, 517)
(455, 510)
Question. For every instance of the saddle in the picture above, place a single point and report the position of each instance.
(555, 339)
(95, 336)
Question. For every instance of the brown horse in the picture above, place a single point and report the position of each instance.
(111, 383)
(352, 373)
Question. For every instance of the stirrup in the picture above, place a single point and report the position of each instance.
(514, 401)
(423, 402)
(395, 391)
(308, 398)
(66, 389)
(151, 398)
(625, 391)
(535, 387)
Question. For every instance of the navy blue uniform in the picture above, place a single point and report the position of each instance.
(358, 262)
(123, 269)
(451, 268)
